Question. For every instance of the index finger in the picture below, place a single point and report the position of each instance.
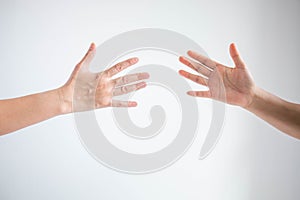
(121, 66)
(203, 59)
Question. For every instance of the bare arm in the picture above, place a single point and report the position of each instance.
(283, 115)
(235, 86)
(83, 86)
(23, 111)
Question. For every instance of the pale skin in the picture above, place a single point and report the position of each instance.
(100, 87)
(235, 86)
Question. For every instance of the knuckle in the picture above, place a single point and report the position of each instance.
(101, 76)
(105, 101)
(125, 79)
(118, 67)
(113, 82)
(124, 89)
(78, 65)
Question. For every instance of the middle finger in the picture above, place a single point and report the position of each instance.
(130, 78)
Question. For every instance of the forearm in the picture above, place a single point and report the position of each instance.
(283, 115)
(21, 112)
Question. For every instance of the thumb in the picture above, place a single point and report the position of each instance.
(88, 57)
(238, 61)
(85, 61)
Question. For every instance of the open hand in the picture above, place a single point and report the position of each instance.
(231, 85)
(96, 90)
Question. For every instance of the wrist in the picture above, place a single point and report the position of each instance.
(255, 98)
(64, 103)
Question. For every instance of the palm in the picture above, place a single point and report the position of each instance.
(86, 90)
(231, 85)
(226, 84)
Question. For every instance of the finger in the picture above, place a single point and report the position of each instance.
(130, 78)
(193, 77)
(128, 88)
(85, 61)
(117, 103)
(195, 66)
(203, 59)
(204, 94)
(121, 66)
(89, 55)
(238, 61)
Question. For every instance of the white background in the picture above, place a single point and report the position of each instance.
(40, 43)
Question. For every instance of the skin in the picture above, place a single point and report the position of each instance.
(88, 90)
(235, 86)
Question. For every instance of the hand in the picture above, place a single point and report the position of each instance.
(230, 85)
(96, 90)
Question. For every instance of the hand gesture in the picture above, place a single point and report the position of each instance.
(96, 90)
(231, 85)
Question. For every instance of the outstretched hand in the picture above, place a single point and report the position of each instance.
(231, 85)
(86, 87)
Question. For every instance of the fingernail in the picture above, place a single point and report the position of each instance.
(132, 104)
(135, 59)
(191, 93)
(145, 75)
(91, 47)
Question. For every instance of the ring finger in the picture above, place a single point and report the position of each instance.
(130, 78)
(195, 66)
(128, 88)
